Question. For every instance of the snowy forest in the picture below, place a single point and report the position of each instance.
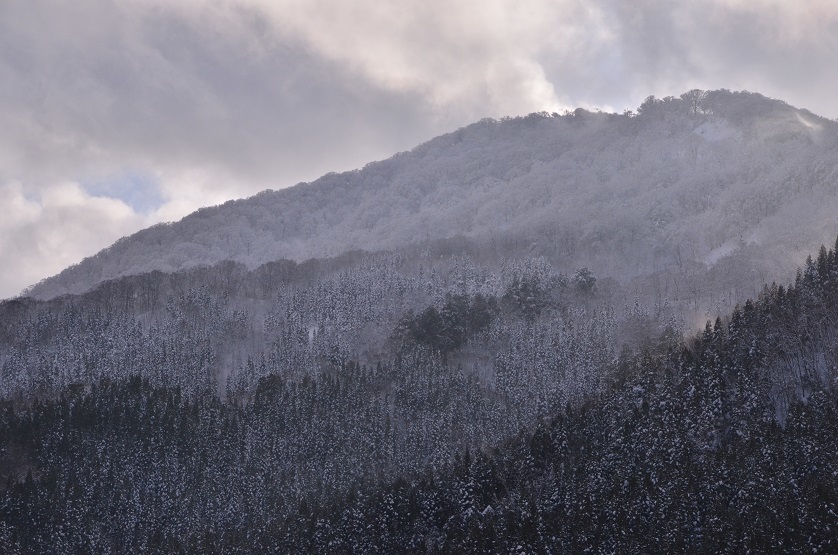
(499, 415)
(666, 195)
(655, 379)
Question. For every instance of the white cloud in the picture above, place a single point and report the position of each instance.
(42, 233)
(450, 53)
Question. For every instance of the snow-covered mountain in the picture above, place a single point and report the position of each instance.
(680, 186)
(457, 395)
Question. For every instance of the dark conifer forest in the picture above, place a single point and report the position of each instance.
(384, 404)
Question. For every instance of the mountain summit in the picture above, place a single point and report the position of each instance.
(682, 184)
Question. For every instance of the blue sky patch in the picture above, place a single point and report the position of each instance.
(139, 190)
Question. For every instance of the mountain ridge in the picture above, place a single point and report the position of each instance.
(684, 182)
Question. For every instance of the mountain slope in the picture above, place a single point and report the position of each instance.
(721, 443)
(677, 187)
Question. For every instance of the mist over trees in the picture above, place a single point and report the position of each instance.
(672, 191)
(560, 337)
(504, 423)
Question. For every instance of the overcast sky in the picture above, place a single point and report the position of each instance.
(115, 115)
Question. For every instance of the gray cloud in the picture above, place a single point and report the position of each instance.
(210, 100)
(167, 90)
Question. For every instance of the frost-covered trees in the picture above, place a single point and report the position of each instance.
(584, 280)
(532, 434)
(676, 192)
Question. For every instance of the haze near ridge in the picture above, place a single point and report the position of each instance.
(677, 187)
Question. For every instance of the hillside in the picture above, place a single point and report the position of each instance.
(673, 190)
(509, 364)
(721, 442)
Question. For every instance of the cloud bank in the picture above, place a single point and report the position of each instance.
(118, 114)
